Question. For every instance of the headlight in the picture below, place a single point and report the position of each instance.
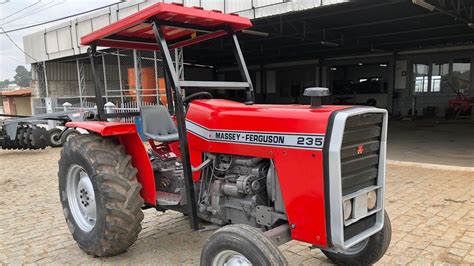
(371, 200)
(347, 209)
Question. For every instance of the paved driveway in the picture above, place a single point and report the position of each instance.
(432, 216)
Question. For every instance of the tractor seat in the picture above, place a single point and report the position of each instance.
(157, 124)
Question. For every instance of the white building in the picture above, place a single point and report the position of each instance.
(403, 56)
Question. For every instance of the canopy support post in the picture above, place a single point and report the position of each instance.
(168, 91)
(180, 119)
(97, 86)
(243, 69)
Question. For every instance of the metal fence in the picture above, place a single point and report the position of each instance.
(129, 79)
(110, 107)
(126, 108)
(126, 76)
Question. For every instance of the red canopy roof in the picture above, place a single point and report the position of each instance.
(135, 31)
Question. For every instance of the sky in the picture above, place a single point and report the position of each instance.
(40, 11)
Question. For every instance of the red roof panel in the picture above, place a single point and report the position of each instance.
(135, 31)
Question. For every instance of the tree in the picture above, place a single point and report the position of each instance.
(4, 83)
(22, 77)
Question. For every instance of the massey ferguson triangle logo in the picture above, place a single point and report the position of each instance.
(360, 149)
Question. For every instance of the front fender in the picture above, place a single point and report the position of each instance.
(128, 136)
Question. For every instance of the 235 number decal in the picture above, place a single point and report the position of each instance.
(310, 141)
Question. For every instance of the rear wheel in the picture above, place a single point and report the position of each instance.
(240, 245)
(100, 195)
(366, 252)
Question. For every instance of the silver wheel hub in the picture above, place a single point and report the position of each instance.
(56, 137)
(81, 198)
(230, 258)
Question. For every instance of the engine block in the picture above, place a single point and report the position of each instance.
(233, 188)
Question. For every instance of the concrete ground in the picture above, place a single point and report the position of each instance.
(432, 215)
(444, 142)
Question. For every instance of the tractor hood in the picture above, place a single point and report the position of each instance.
(265, 118)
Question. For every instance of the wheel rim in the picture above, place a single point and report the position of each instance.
(230, 258)
(355, 249)
(56, 138)
(81, 198)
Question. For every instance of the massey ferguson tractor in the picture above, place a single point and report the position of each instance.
(265, 173)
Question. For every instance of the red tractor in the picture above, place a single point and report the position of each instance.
(266, 173)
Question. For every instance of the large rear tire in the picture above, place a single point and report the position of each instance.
(240, 244)
(100, 194)
(366, 252)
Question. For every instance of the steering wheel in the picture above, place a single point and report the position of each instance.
(195, 96)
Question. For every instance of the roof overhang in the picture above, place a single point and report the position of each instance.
(356, 28)
(16, 93)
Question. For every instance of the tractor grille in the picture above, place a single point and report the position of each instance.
(360, 152)
(360, 161)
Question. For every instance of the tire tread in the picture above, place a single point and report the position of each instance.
(374, 251)
(243, 233)
(119, 187)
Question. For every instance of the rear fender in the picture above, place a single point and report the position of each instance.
(128, 136)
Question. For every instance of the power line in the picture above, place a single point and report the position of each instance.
(30, 12)
(18, 25)
(16, 45)
(58, 19)
(35, 11)
(16, 12)
(42, 4)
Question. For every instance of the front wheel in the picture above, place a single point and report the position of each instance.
(240, 244)
(100, 194)
(366, 252)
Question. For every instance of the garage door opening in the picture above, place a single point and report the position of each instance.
(362, 84)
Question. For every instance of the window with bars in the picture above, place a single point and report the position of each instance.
(439, 75)
(420, 76)
(442, 77)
